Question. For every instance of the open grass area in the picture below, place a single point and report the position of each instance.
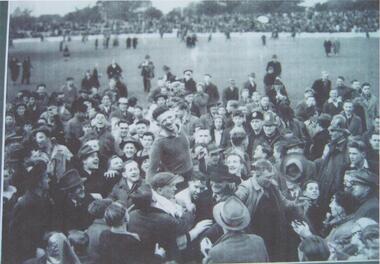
(302, 61)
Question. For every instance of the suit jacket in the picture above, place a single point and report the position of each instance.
(276, 67)
(190, 85)
(354, 125)
(321, 91)
(224, 139)
(238, 247)
(251, 88)
(230, 94)
(331, 109)
(122, 192)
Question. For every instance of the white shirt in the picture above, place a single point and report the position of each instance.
(218, 137)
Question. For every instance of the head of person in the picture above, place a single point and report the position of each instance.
(116, 215)
(270, 124)
(41, 89)
(274, 57)
(256, 97)
(340, 81)
(356, 152)
(160, 99)
(70, 81)
(325, 75)
(72, 185)
(355, 84)
(37, 177)
(200, 87)
(20, 109)
(222, 111)
(147, 139)
(188, 74)
(165, 184)
(100, 121)
(337, 128)
(123, 128)
(98, 207)
(106, 100)
(129, 147)
(374, 141)
(238, 118)
(251, 77)
(202, 136)
(262, 151)
(234, 162)
(238, 137)
(348, 107)
(214, 155)
(310, 189)
(181, 110)
(263, 171)
(361, 184)
(223, 184)
(333, 94)
(131, 171)
(123, 104)
(370, 238)
(166, 118)
(342, 204)
(231, 82)
(310, 101)
(141, 127)
(9, 119)
(115, 163)
(264, 101)
(257, 120)
(232, 106)
(357, 231)
(197, 184)
(218, 122)
(232, 215)
(207, 78)
(80, 112)
(313, 248)
(42, 136)
(366, 88)
(89, 157)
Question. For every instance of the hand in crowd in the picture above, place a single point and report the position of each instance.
(206, 245)
(301, 228)
(159, 251)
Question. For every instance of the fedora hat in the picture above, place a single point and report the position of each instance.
(232, 214)
(70, 179)
(220, 174)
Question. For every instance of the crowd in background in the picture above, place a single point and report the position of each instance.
(239, 173)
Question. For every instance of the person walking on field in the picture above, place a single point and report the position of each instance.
(26, 69)
(147, 72)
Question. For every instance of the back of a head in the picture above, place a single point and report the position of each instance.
(115, 214)
(314, 248)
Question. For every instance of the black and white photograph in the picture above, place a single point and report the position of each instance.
(191, 131)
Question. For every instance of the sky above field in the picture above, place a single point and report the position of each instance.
(63, 7)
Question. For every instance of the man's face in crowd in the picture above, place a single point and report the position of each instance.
(77, 193)
(256, 124)
(32, 100)
(213, 158)
(124, 129)
(161, 101)
(28, 128)
(256, 97)
(222, 111)
(21, 110)
(92, 161)
(217, 190)
(41, 89)
(141, 129)
(229, 107)
(310, 101)
(366, 90)
(348, 108)
(145, 165)
(129, 150)
(167, 121)
(312, 191)
(269, 130)
(94, 144)
(123, 107)
(207, 79)
(251, 79)
(245, 93)
(146, 141)
(199, 88)
(41, 139)
(355, 188)
(195, 188)
(356, 85)
(218, 123)
(356, 157)
(238, 120)
(213, 110)
(70, 82)
(106, 101)
(259, 153)
(168, 191)
(9, 120)
(132, 172)
(264, 101)
(334, 94)
(116, 164)
(339, 82)
(234, 165)
(375, 141)
(138, 112)
(203, 136)
(334, 134)
(188, 75)
(325, 75)
(100, 121)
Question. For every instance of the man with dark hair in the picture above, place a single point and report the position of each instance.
(122, 111)
(114, 70)
(322, 89)
(31, 216)
(211, 89)
(171, 150)
(353, 122)
(343, 91)
(230, 93)
(357, 155)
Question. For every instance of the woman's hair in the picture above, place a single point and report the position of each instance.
(314, 248)
(115, 214)
(346, 201)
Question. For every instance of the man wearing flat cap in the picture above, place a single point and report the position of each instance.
(71, 210)
(256, 133)
(363, 185)
(235, 245)
(333, 163)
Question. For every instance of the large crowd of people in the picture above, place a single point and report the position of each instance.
(305, 21)
(240, 173)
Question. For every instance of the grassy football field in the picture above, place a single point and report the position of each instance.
(302, 61)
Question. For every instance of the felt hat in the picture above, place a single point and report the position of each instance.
(70, 179)
(164, 179)
(232, 214)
